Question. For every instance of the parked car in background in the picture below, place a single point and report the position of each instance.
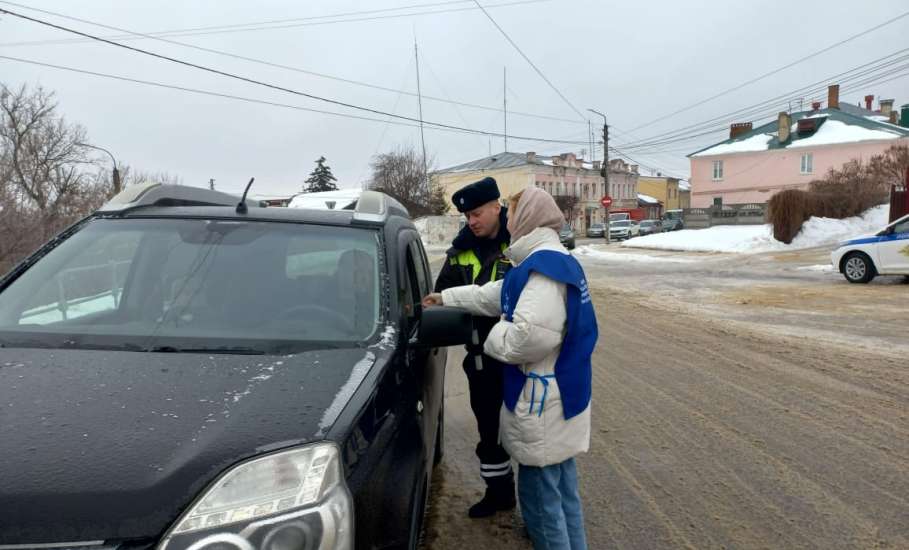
(884, 253)
(183, 371)
(623, 229)
(596, 230)
(649, 227)
(672, 220)
(566, 237)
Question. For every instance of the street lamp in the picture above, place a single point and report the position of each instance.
(115, 175)
(605, 166)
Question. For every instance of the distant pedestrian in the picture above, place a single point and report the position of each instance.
(546, 335)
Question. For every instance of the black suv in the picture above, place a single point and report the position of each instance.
(180, 371)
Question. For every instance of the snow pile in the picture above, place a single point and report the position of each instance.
(834, 131)
(326, 200)
(759, 238)
(648, 198)
(438, 230)
(595, 252)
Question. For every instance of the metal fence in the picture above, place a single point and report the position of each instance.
(727, 214)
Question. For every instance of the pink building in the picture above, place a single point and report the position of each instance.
(788, 153)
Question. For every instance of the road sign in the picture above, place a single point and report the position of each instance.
(606, 201)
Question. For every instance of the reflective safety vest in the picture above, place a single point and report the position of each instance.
(468, 259)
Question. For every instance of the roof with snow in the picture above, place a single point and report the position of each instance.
(509, 160)
(647, 199)
(342, 199)
(848, 124)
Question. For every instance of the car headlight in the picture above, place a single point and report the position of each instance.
(290, 500)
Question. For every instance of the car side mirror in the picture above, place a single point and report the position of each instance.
(442, 326)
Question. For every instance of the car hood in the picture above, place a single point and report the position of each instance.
(100, 445)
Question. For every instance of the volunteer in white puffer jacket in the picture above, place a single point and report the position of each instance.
(545, 423)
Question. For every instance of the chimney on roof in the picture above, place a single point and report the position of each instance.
(833, 96)
(532, 157)
(893, 117)
(816, 106)
(869, 99)
(597, 165)
(886, 107)
(784, 126)
(739, 128)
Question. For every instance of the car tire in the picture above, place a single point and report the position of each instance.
(858, 268)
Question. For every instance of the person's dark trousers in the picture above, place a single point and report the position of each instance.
(486, 391)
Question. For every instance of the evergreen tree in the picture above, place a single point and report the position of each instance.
(320, 179)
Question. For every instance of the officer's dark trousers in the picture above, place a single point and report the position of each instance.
(486, 391)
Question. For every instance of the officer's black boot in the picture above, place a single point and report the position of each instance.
(499, 496)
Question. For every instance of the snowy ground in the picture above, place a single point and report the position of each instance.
(759, 238)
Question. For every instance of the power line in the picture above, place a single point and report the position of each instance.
(680, 133)
(889, 21)
(531, 63)
(247, 79)
(811, 88)
(273, 25)
(150, 36)
(435, 126)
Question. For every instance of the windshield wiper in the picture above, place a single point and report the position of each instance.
(221, 350)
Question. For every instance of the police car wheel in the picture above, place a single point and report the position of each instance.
(857, 268)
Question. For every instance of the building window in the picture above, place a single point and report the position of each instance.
(807, 163)
(717, 170)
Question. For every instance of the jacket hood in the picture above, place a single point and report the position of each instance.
(466, 240)
(102, 445)
(541, 238)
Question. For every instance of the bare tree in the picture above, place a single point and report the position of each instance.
(567, 204)
(402, 174)
(47, 179)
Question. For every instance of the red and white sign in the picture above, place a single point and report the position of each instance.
(606, 201)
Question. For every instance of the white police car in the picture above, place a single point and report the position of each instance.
(884, 253)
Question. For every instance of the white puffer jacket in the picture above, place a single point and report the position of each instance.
(533, 340)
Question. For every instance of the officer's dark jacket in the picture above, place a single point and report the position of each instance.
(472, 260)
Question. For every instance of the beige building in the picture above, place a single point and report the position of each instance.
(561, 175)
(663, 188)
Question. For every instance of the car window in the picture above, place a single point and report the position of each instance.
(412, 289)
(140, 284)
(902, 227)
(91, 283)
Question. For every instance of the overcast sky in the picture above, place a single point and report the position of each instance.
(636, 61)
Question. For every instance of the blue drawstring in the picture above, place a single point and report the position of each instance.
(533, 390)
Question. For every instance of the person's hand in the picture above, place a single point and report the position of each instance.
(434, 299)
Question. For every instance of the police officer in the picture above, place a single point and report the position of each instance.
(475, 258)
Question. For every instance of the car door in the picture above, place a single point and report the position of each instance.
(893, 250)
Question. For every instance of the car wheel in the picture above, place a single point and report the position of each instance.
(858, 268)
(570, 245)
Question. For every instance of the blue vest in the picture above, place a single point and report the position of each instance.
(573, 370)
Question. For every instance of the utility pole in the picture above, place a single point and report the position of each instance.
(505, 105)
(420, 102)
(605, 170)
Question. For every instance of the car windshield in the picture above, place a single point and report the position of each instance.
(596, 226)
(646, 223)
(621, 223)
(189, 285)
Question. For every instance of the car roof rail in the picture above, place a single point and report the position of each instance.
(159, 194)
(373, 206)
